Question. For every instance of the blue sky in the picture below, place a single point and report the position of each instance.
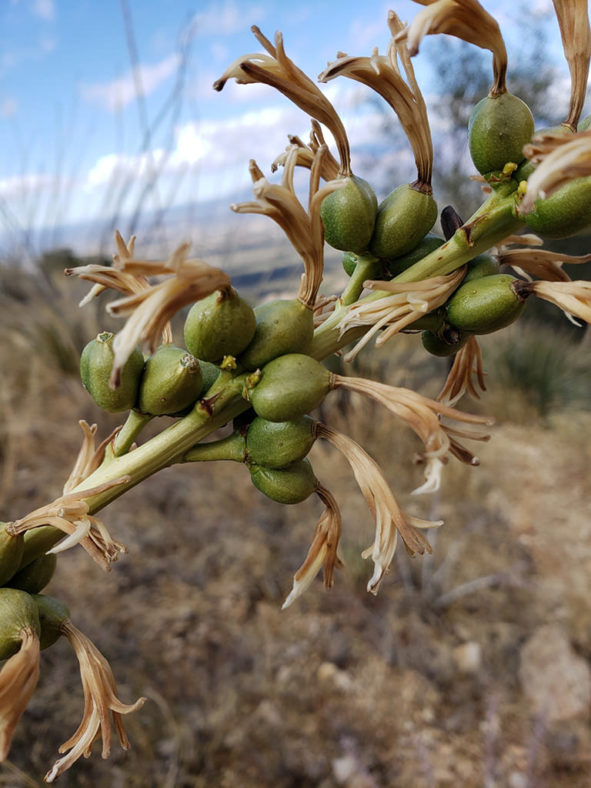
(72, 132)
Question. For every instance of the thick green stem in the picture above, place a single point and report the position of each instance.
(366, 268)
(224, 402)
(124, 439)
(233, 447)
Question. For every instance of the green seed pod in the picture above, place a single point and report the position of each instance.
(34, 577)
(209, 374)
(425, 246)
(171, 382)
(432, 321)
(403, 219)
(485, 305)
(38, 541)
(446, 343)
(17, 611)
(498, 129)
(348, 215)
(563, 213)
(52, 614)
(220, 325)
(96, 362)
(285, 485)
(11, 553)
(481, 265)
(277, 444)
(585, 124)
(290, 387)
(282, 327)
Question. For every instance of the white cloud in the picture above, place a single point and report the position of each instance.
(120, 92)
(16, 186)
(44, 9)
(222, 19)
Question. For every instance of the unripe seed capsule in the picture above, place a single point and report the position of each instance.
(285, 485)
(425, 246)
(171, 382)
(445, 344)
(498, 129)
(37, 542)
(481, 265)
(222, 324)
(563, 213)
(349, 215)
(34, 577)
(277, 444)
(11, 553)
(96, 363)
(285, 326)
(17, 611)
(209, 374)
(403, 219)
(485, 305)
(52, 614)
(290, 387)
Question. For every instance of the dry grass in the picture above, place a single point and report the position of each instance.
(342, 688)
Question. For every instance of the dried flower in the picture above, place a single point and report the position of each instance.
(69, 513)
(388, 516)
(541, 263)
(306, 154)
(465, 19)
(304, 230)
(277, 70)
(382, 73)
(18, 679)
(100, 702)
(424, 416)
(467, 366)
(113, 277)
(89, 458)
(573, 19)
(149, 311)
(392, 313)
(563, 158)
(574, 298)
(323, 550)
